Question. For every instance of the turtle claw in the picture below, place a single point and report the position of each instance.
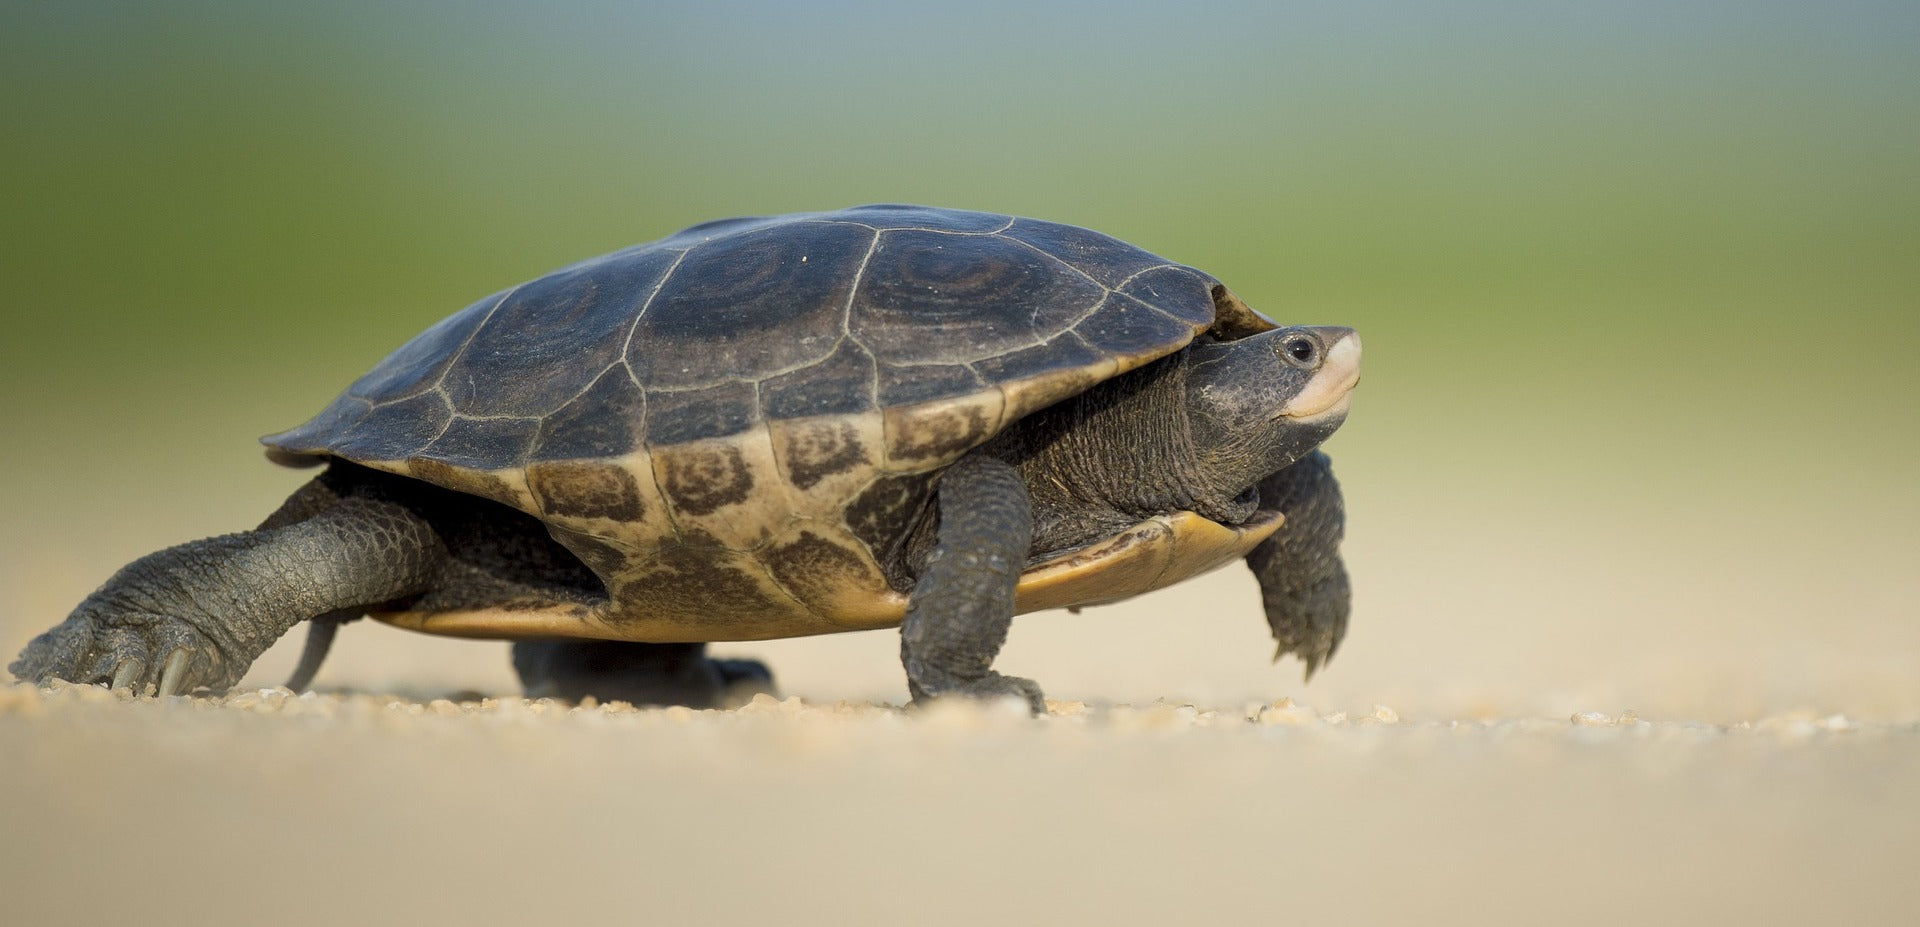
(128, 674)
(173, 674)
(122, 650)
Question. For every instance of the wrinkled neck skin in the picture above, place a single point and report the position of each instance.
(1150, 442)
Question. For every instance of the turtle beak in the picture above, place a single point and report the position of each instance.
(1330, 392)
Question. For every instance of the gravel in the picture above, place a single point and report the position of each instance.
(347, 807)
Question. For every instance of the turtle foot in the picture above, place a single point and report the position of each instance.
(991, 687)
(126, 650)
(642, 674)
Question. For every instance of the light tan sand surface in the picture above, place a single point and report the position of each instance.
(1650, 709)
(270, 807)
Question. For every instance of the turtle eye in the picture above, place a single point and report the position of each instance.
(1300, 350)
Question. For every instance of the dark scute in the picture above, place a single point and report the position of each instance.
(881, 514)
(928, 297)
(1063, 353)
(818, 450)
(750, 305)
(931, 433)
(485, 444)
(906, 385)
(903, 216)
(717, 411)
(840, 384)
(395, 430)
(460, 479)
(813, 568)
(1181, 292)
(554, 336)
(418, 365)
(1129, 327)
(320, 432)
(586, 490)
(690, 580)
(1104, 258)
(702, 479)
(603, 422)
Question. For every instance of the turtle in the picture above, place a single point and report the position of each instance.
(767, 427)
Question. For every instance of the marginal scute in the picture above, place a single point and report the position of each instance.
(710, 594)
(480, 483)
(823, 462)
(724, 493)
(819, 449)
(587, 489)
(835, 576)
(700, 479)
(932, 434)
(879, 513)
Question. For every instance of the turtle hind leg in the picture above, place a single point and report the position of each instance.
(643, 674)
(197, 614)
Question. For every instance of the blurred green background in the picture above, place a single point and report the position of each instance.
(1639, 282)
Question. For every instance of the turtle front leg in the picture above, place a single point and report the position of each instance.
(1303, 582)
(197, 615)
(962, 603)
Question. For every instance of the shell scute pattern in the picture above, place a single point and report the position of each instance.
(1103, 260)
(718, 409)
(749, 306)
(550, 339)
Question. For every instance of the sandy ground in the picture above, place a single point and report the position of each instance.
(330, 809)
(1545, 712)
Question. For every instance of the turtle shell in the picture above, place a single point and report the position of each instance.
(731, 425)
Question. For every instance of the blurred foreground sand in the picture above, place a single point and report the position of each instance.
(1766, 660)
(328, 809)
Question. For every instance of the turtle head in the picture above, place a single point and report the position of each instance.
(1262, 402)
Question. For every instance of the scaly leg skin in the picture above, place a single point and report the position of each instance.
(1303, 582)
(197, 615)
(962, 603)
(643, 674)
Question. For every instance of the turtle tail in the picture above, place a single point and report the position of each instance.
(320, 632)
